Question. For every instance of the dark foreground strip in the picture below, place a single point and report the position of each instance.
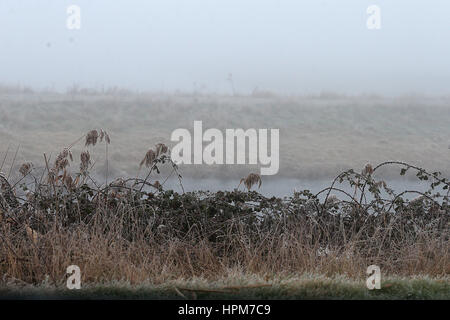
(231, 309)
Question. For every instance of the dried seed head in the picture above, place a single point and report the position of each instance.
(150, 156)
(61, 161)
(63, 164)
(91, 138)
(68, 181)
(105, 135)
(107, 139)
(85, 158)
(251, 180)
(368, 170)
(161, 148)
(77, 180)
(26, 168)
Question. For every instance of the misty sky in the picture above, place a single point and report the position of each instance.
(296, 46)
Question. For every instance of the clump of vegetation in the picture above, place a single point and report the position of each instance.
(135, 230)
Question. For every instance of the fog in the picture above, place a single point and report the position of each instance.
(284, 46)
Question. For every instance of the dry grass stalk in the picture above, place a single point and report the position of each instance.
(32, 234)
(7, 195)
(91, 138)
(62, 160)
(104, 135)
(251, 180)
(368, 170)
(160, 149)
(150, 156)
(25, 168)
(51, 177)
(130, 241)
(68, 180)
(85, 158)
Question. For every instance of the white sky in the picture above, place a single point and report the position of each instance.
(289, 46)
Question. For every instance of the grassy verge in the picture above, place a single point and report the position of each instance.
(134, 230)
(249, 287)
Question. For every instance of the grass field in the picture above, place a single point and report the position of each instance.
(319, 135)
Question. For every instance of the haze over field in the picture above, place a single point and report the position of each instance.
(319, 135)
(231, 64)
(286, 46)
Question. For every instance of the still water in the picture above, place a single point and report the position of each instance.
(281, 187)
